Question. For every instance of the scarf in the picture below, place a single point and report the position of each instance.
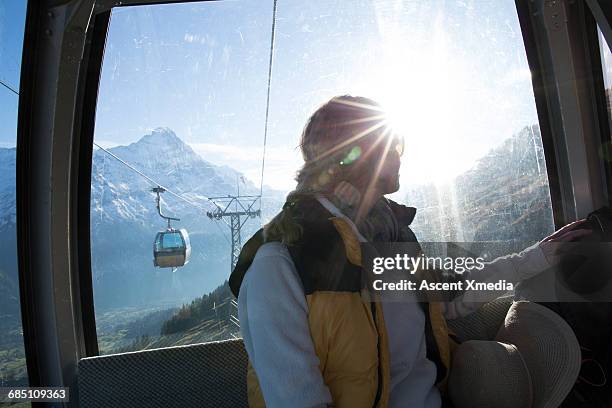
(379, 225)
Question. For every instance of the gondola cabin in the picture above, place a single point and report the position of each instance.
(172, 248)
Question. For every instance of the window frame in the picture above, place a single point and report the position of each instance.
(61, 66)
(601, 11)
(560, 50)
(601, 16)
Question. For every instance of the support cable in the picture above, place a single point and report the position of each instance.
(120, 160)
(10, 88)
(263, 158)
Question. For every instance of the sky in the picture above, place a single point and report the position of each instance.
(452, 74)
(12, 20)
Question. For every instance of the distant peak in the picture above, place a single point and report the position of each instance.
(162, 135)
(163, 131)
(162, 140)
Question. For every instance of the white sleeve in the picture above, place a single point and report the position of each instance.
(274, 324)
(512, 268)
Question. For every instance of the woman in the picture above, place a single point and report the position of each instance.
(312, 338)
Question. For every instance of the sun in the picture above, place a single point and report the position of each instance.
(421, 92)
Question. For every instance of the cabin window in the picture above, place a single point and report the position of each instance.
(182, 101)
(606, 65)
(13, 370)
(172, 241)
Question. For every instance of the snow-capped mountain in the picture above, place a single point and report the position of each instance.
(124, 220)
(120, 193)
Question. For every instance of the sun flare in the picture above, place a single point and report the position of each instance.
(423, 94)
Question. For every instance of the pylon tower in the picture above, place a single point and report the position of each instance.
(234, 208)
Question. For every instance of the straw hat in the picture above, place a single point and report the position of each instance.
(533, 362)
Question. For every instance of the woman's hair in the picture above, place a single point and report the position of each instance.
(329, 135)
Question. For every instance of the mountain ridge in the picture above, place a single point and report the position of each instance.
(124, 220)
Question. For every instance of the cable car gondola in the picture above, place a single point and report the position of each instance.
(171, 248)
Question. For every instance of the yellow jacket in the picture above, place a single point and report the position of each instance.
(347, 328)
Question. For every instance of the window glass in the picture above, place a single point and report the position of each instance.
(172, 241)
(12, 355)
(606, 65)
(183, 102)
(158, 242)
(606, 62)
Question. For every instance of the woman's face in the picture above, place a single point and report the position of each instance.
(389, 172)
(387, 165)
(376, 162)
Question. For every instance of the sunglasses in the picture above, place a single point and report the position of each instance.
(374, 146)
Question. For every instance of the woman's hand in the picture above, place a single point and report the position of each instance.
(570, 232)
(553, 246)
